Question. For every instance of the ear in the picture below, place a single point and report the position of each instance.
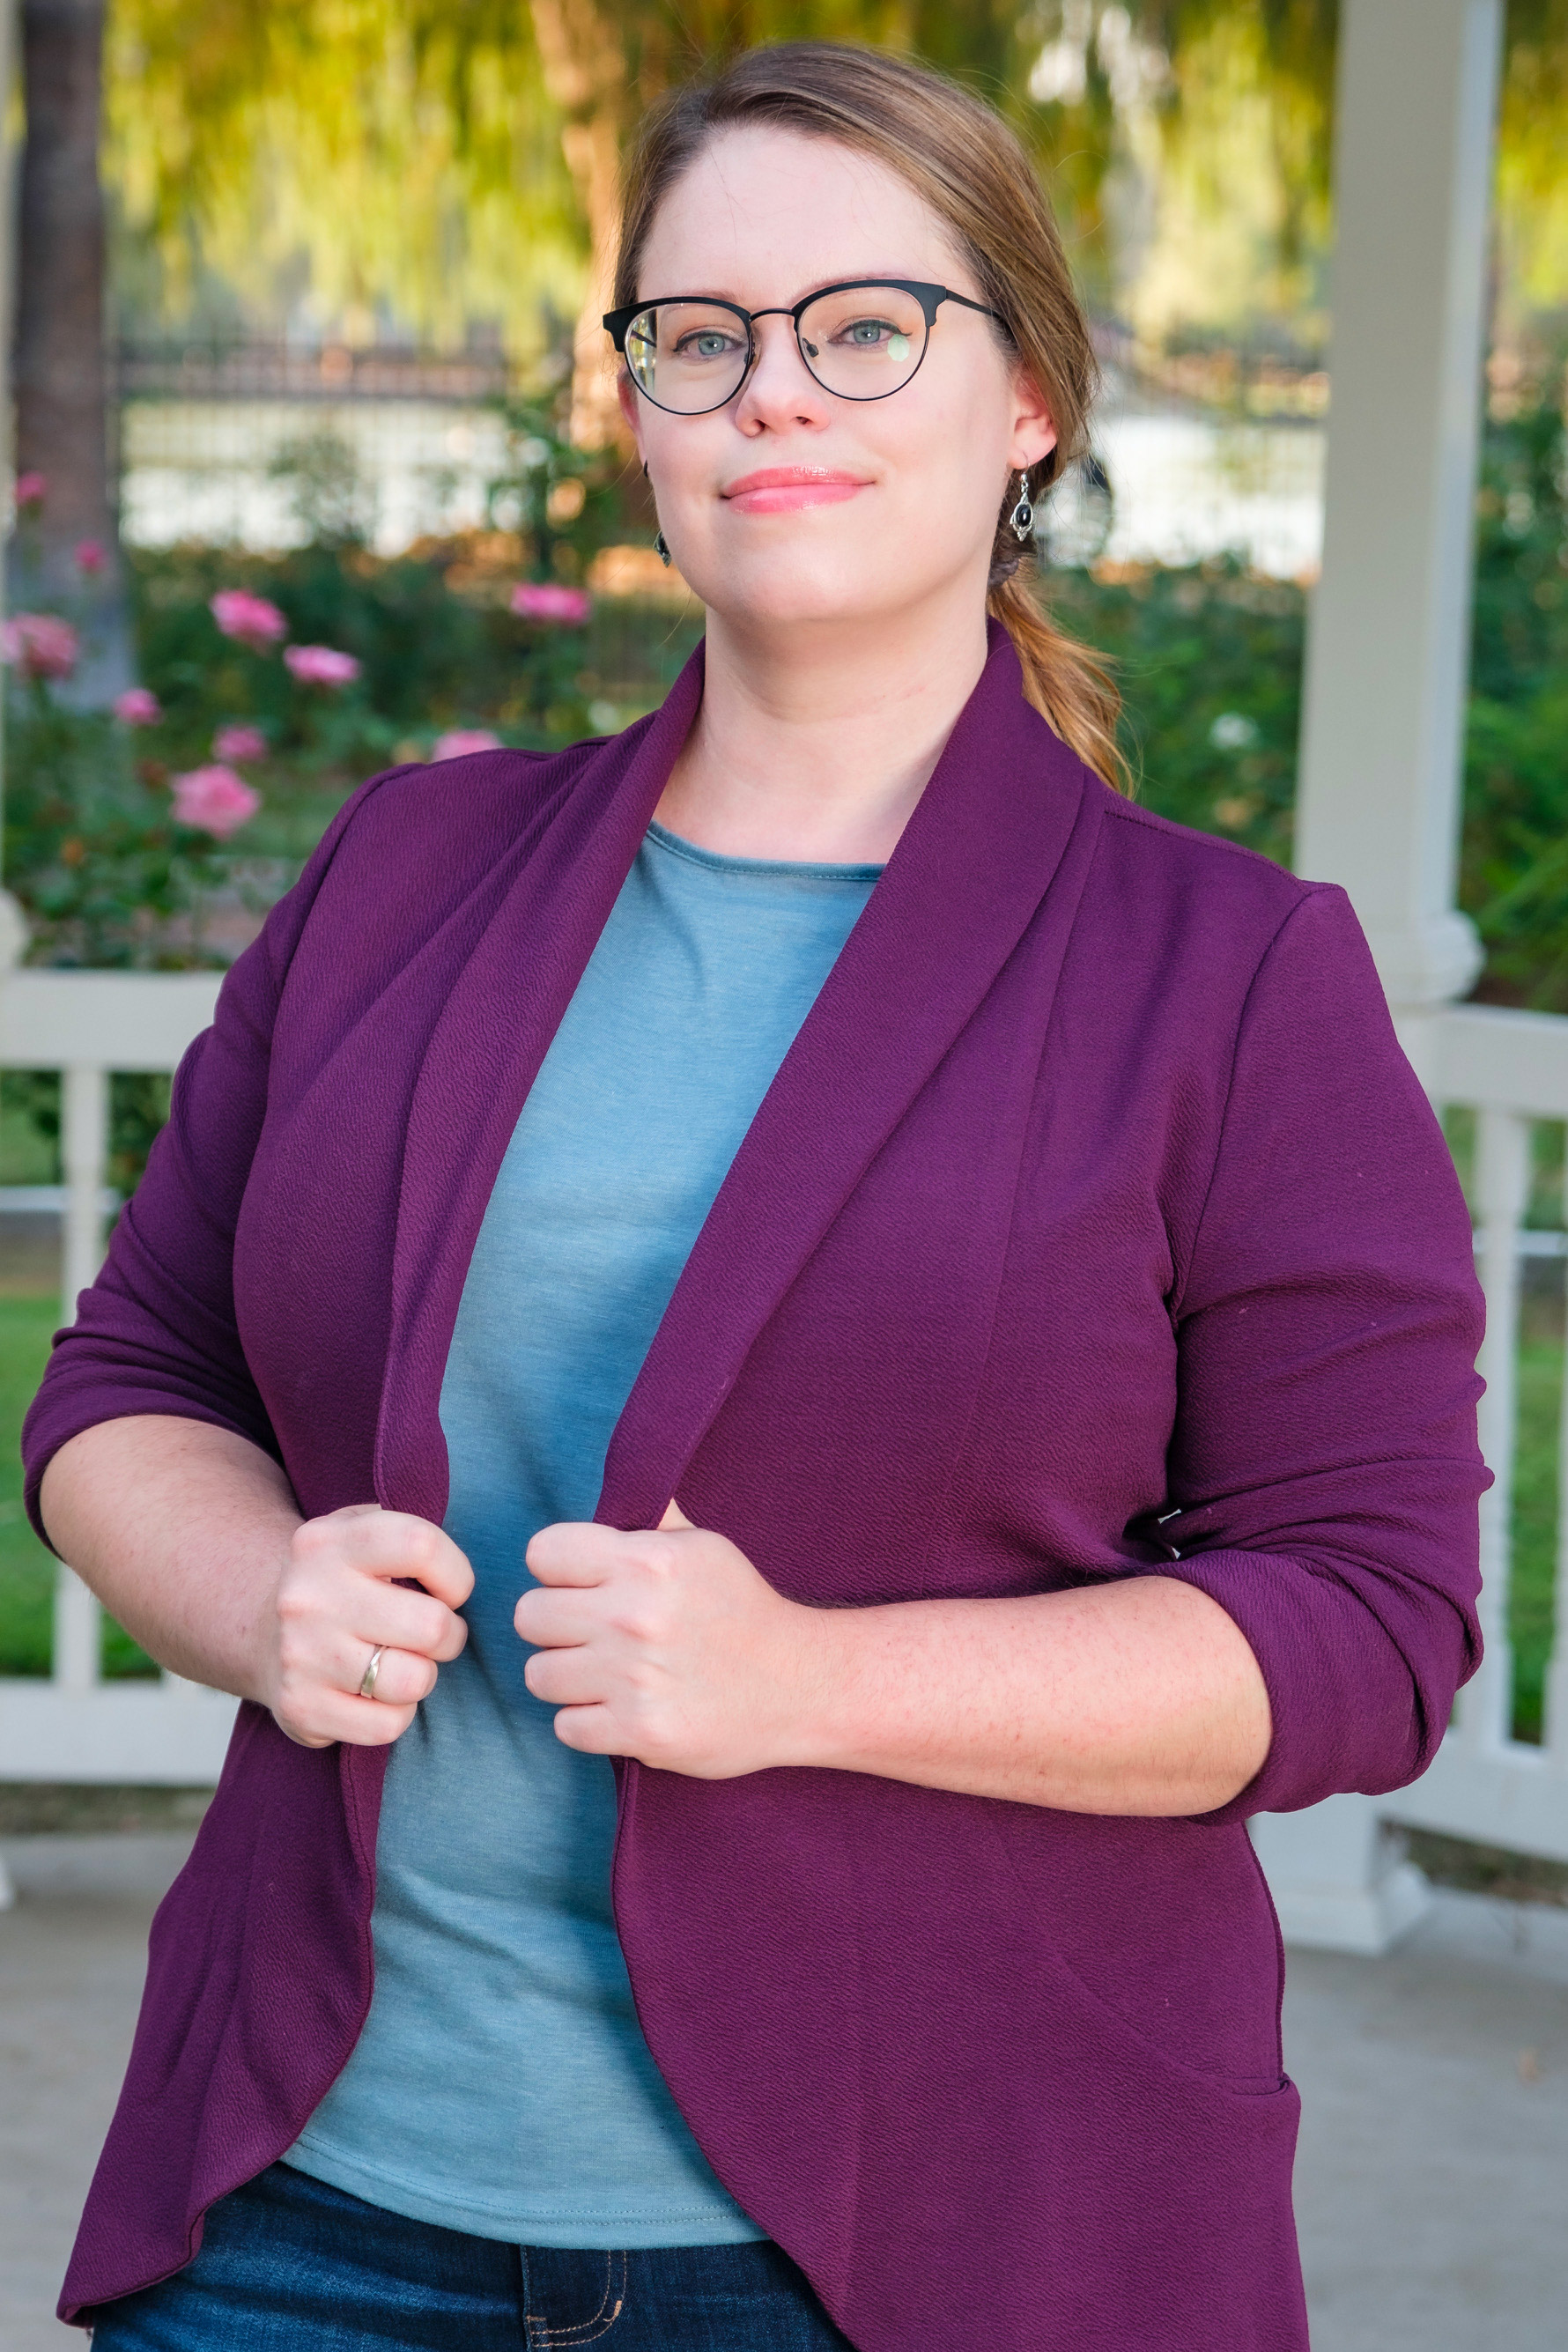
(1034, 432)
(625, 392)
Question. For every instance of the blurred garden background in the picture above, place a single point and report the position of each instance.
(317, 468)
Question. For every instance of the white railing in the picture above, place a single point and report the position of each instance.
(1335, 1875)
(1511, 1070)
(75, 1726)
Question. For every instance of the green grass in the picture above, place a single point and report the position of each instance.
(27, 1569)
(1534, 1515)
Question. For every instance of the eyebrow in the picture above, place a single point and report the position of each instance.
(819, 286)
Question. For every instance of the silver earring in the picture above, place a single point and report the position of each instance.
(661, 549)
(1022, 515)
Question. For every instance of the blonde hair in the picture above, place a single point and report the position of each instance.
(960, 156)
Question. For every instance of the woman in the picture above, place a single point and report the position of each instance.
(953, 1287)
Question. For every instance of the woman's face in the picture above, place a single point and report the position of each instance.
(883, 504)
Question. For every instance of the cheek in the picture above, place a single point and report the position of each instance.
(688, 456)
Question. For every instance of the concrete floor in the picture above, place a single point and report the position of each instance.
(1432, 2186)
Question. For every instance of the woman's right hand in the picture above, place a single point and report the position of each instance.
(342, 1596)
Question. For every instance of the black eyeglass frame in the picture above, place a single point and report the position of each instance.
(929, 298)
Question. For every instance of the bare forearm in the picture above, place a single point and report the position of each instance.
(1138, 1697)
(183, 1530)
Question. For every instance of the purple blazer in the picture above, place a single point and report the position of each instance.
(1094, 1189)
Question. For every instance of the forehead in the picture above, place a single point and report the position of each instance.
(764, 214)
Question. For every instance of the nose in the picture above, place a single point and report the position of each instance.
(781, 390)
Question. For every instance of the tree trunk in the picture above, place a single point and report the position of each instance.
(66, 552)
(586, 74)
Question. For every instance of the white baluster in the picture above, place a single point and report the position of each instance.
(1555, 1730)
(1502, 1187)
(84, 1153)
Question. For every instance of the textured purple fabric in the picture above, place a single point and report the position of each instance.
(1095, 1187)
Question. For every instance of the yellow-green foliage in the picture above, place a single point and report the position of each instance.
(386, 150)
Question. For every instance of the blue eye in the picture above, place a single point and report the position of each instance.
(706, 344)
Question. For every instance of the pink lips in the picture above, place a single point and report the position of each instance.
(782, 489)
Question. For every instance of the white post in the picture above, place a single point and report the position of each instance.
(1387, 657)
(1378, 793)
(84, 1154)
(1502, 1189)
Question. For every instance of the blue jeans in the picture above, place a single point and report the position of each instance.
(288, 2265)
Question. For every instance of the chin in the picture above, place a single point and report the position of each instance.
(780, 594)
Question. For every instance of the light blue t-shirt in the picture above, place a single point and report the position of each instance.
(501, 2084)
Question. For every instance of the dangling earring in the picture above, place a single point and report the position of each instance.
(660, 549)
(1022, 515)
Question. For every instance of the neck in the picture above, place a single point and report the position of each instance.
(817, 744)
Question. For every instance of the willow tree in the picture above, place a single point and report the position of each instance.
(404, 151)
(459, 157)
(447, 155)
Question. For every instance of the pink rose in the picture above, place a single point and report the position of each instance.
(541, 600)
(250, 620)
(91, 555)
(239, 743)
(463, 740)
(30, 488)
(215, 800)
(321, 665)
(39, 645)
(138, 707)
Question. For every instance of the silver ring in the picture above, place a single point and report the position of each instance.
(367, 1680)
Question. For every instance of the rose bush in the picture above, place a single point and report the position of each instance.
(39, 645)
(231, 744)
(461, 741)
(321, 665)
(250, 620)
(213, 800)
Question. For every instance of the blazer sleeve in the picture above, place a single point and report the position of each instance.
(156, 1332)
(1324, 1467)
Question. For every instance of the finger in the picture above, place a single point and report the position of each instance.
(577, 1552)
(389, 1544)
(390, 1617)
(565, 1678)
(591, 1730)
(401, 1679)
(333, 1716)
(675, 1517)
(553, 1617)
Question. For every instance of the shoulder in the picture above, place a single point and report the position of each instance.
(415, 849)
(1179, 939)
(1181, 892)
(474, 805)
(1164, 856)
(428, 835)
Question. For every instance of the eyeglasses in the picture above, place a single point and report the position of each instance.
(861, 341)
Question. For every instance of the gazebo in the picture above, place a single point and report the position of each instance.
(1378, 810)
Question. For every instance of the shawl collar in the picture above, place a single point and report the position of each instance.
(1004, 804)
(482, 1058)
(1006, 807)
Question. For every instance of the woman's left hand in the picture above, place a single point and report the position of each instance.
(668, 1645)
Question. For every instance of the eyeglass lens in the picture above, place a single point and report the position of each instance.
(862, 344)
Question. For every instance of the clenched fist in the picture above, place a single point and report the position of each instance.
(342, 1596)
(669, 1646)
